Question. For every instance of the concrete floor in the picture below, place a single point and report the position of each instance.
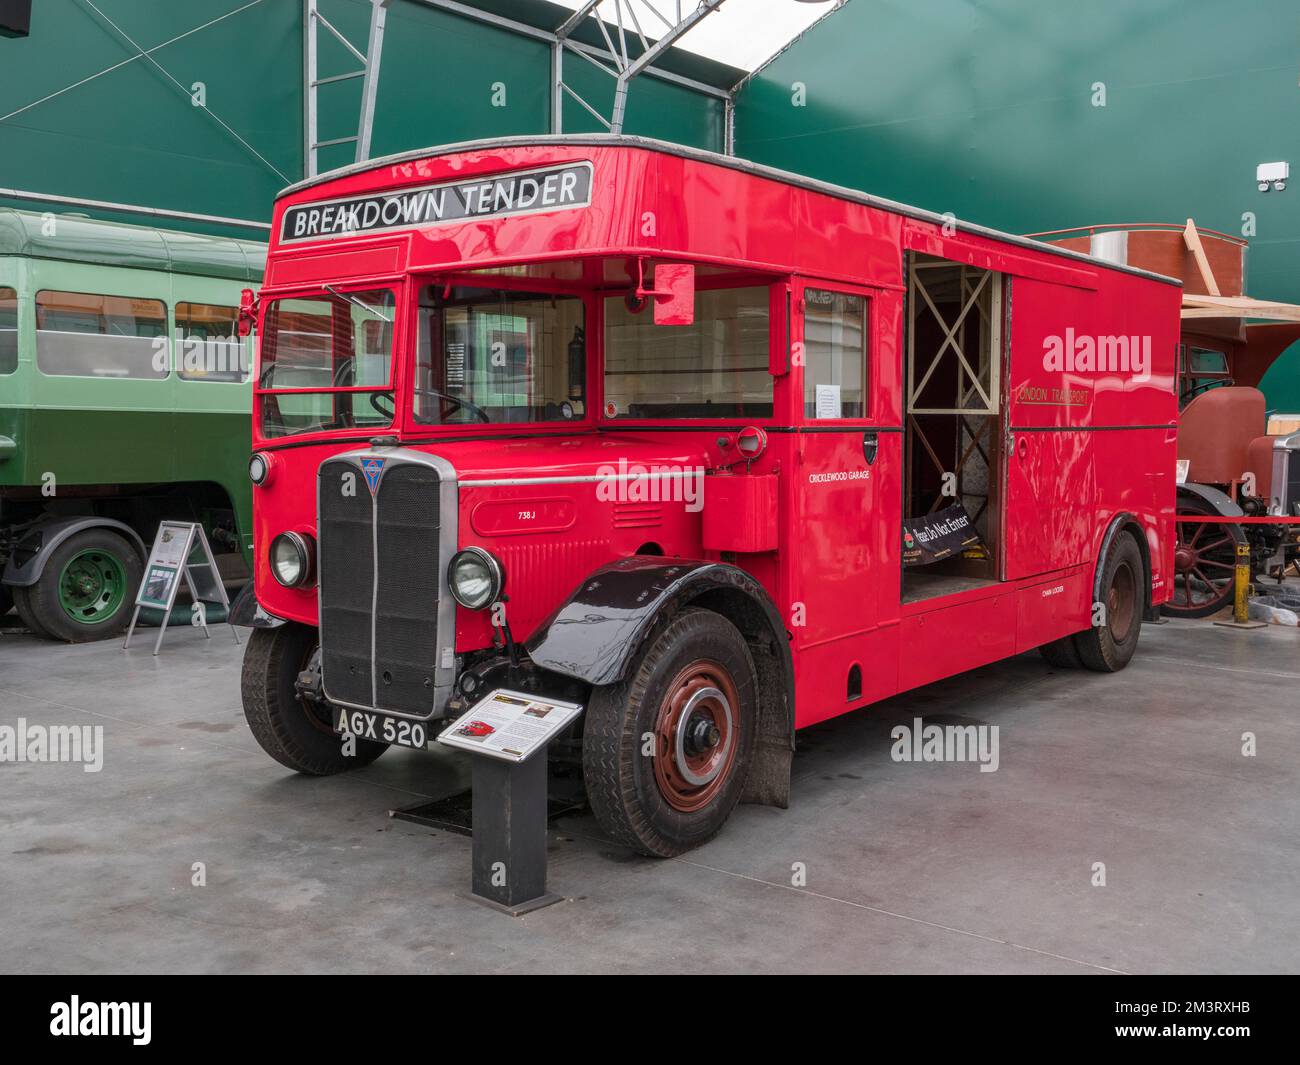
(910, 867)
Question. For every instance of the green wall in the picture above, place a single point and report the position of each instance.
(985, 108)
(132, 135)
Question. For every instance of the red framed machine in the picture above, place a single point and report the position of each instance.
(719, 451)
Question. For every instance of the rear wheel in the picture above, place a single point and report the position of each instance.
(665, 752)
(24, 609)
(1108, 647)
(1062, 653)
(296, 732)
(87, 589)
(1205, 558)
(6, 600)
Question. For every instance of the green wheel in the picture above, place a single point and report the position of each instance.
(87, 588)
(92, 585)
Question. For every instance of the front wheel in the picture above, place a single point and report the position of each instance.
(665, 752)
(294, 731)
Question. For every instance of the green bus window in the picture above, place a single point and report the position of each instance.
(8, 331)
(208, 345)
(84, 335)
(835, 353)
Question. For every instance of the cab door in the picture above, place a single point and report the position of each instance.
(848, 497)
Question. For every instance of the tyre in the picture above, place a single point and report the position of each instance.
(1062, 653)
(1205, 559)
(665, 752)
(26, 616)
(1107, 648)
(6, 600)
(87, 589)
(297, 733)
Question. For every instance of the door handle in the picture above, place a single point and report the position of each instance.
(870, 445)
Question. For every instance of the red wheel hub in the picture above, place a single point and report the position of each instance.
(1204, 561)
(695, 736)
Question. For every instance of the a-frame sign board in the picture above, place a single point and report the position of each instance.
(180, 552)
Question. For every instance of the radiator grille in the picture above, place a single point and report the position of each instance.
(380, 569)
(1291, 487)
(346, 544)
(406, 629)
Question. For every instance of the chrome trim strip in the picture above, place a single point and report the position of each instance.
(374, 589)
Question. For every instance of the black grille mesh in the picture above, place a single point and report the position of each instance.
(406, 606)
(347, 567)
(406, 637)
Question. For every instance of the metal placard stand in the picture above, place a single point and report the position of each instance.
(508, 849)
(508, 733)
(169, 563)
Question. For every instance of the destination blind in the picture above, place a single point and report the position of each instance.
(519, 192)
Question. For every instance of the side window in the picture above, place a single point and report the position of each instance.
(208, 344)
(835, 336)
(8, 331)
(84, 335)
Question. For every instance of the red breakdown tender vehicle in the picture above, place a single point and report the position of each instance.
(716, 450)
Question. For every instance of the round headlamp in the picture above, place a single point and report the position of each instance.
(293, 559)
(259, 468)
(475, 578)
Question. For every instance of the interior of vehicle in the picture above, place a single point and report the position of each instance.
(952, 443)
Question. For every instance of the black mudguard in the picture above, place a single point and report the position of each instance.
(596, 634)
(247, 611)
(43, 538)
(1122, 522)
(1220, 501)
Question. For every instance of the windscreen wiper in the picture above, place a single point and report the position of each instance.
(356, 302)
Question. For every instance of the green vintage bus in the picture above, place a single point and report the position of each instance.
(124, 400)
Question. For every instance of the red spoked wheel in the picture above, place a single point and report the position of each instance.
(1205, 558)
(695, 735)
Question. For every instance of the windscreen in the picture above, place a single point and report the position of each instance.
(499, 356)
(716, 367)
(327, 362)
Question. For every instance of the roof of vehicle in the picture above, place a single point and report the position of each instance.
(75, 238)
(731, 162)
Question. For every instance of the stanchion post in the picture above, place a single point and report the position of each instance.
(1241, 593)
(1241, 586)
(508, 863)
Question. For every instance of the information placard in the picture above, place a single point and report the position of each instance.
(509, 725)
(180, 552)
